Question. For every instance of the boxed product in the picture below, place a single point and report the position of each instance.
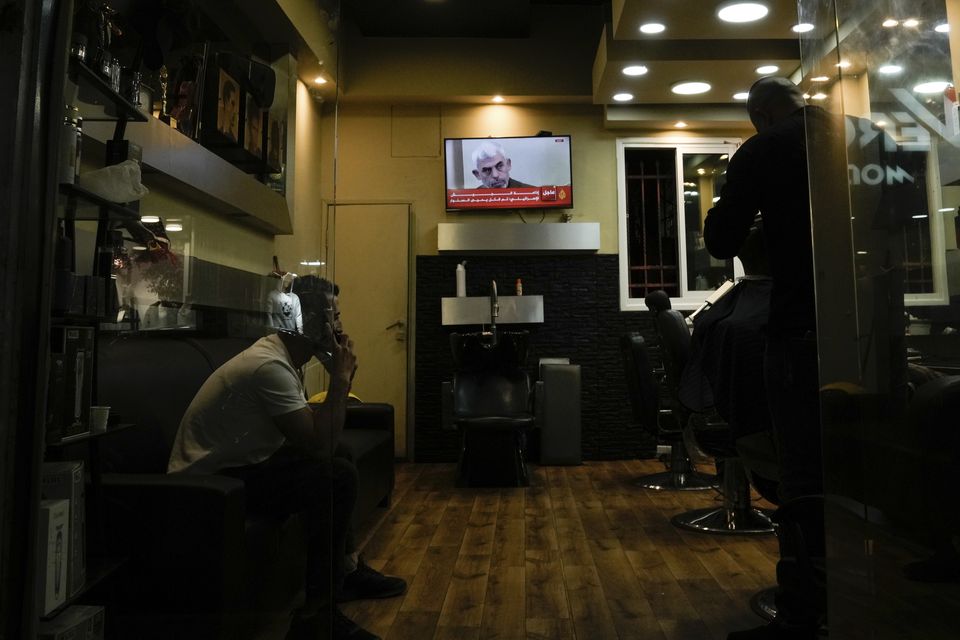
(65, 480)
(79, 622)
(54, 530)
(70, 411)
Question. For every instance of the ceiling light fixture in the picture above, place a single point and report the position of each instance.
(803, 27)
(497, 98)
(651, 28)
(635, 70)
(767, 69)
(943, 27)
(819, 96)
(319, 80)
(819, 79)
(740, 12)
(912, 22)
(680, 124)
(742, 95)
(173, 226)
(690, 88)
(150, 219)
(890, 23)
(623, 97)
(890, 69)
(934, 86)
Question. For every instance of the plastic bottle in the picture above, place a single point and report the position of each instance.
(462, 279)
(519, 287)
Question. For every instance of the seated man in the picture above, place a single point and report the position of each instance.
(250, 420)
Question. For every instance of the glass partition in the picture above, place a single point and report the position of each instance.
(884, 213)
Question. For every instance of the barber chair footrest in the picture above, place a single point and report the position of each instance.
(670, 481)
(763, 603)
(724, 521)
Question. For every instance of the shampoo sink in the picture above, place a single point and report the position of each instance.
(486, 350)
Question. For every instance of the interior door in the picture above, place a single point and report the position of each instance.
(371, 265)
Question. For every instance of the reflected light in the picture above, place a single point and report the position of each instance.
(945, 210)
(312, 263)
(680, 124)
(803, 27)
(768, 68)
(319, 80)
(690, 88)
(861, 253)
(919, 216)
(890, 69)
(743, 95)
(724, 157)
(935, 86)
(173, 226)
(943, 27)
(843, 64)
(881, 123)
(497, 98)
(150, 219)
(806, 96)
(623, 97)
(912, 22)
(890, 22)
(819, 96)
(635, 70)
(819, 79)
(739, 12)
(652, 27)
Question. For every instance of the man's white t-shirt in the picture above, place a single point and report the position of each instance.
(230, 421)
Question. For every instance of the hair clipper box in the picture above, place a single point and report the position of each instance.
(54, 532)
(65, 480)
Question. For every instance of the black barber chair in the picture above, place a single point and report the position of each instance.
(712, 435)
(490, 401)
(645, 403)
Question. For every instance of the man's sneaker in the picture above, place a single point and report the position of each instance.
(317, 626)
(366, 583)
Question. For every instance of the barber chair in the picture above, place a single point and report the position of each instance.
(712, 435)
(490, 401)
(645, 403)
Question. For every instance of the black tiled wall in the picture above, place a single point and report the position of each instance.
(582, 321)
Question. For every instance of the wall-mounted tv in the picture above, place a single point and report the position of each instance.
(508, 173)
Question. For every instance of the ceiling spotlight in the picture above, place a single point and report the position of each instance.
(743, 95)
(935, 86)
(635, 70)
(150, 219)
(319, 80)
(767, 69)
(742, 11)
(912, 22)
(690, 88)
(652, 27)
(173, 226)
(497, 98)
(803, 27)
(623, 97)
(890, 23)
(819, 96)
(680, 124)
(819, 79)
(890, 69)
(943, 27)
(843, 64)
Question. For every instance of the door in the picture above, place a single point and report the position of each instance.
(371, 266)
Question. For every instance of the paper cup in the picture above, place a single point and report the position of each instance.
(98, 418)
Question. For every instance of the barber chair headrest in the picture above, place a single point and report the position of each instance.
(657, 301)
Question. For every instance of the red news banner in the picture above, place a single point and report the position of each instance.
(509, 198)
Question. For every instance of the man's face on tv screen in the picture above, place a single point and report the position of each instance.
(493, 173)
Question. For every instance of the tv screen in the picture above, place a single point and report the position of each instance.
(508, 173)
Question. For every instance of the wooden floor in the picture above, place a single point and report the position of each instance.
(581, 553)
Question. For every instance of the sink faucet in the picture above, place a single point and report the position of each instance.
(494, 309)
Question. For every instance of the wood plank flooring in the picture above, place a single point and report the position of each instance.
(580, 554)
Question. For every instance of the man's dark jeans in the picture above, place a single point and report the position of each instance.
(290, 482)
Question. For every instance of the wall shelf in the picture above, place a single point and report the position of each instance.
(174, 161)
(86, 205)
(98, 101)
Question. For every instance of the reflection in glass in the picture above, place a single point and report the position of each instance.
(704, 174)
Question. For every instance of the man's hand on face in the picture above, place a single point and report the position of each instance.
(343, 364)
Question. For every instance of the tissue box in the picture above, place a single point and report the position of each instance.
(54, 541)
(75, 623)
(65, 480)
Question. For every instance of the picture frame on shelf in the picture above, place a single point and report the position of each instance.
(229, 98)
(254, 132)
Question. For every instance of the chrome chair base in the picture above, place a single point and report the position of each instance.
(725, 521)
(678, 481)
(763, 603)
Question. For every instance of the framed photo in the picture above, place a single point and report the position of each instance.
(228, 107)
(276, 141)
(253, 131)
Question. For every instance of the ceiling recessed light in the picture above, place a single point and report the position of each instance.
(890, 22)
(767, 69)
(912, 22)
(890, 69)
(743, 95)
(934, 86)
(150, 219)
(635, 70)
(690, 88)
(623, 97)
(943, 27)
(319, 80)
(173, 226)
(819, 79)
(803, 27)
(497, 98)
(680, 124)
(806, 96)
(819, 96)
(742, 11)
(652, 27)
